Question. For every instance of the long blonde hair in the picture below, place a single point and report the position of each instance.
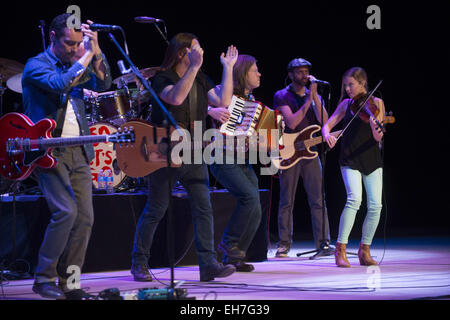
(357, 73)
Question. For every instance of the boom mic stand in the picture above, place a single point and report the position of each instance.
(325, 249)
(172, 292)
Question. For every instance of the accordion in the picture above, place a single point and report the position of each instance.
(249, 117)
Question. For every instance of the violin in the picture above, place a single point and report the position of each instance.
(367, 111)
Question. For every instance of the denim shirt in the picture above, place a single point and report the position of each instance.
(47, 87)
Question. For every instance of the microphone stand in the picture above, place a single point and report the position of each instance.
(172, 293)
(325, 249)
(42, 26)
(162, 34)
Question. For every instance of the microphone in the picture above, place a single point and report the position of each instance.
(103, 27)
(147, 20)
(320, 82)
(122, 68)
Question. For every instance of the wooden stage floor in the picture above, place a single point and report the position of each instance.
(411, 268)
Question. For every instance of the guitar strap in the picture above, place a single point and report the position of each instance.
(193, 108)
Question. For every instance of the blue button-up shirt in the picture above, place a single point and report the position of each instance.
(47, 87)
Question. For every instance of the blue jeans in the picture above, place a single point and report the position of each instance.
(242, 182)
(195, 180)
(373, 184)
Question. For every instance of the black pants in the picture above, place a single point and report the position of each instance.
(311, 173)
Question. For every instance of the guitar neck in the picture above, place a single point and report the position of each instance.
(316, 140)
(67, 142)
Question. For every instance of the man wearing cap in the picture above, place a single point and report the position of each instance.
(301, 107)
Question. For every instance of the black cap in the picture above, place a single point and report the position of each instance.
(299, 62)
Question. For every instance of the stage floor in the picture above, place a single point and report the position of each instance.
(411, 268)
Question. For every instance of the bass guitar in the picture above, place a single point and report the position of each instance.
(296, 146)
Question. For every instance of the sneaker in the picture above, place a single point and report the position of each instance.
(218, 270)
(140, 273)
(48, 290)
(78, 294)
(232, 251)
(282, 251)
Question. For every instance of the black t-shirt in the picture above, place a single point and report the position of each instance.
(182, 113)
(288, 97)
(359, 150)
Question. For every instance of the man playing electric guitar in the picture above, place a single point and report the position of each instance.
(53, 84)
(301, 107)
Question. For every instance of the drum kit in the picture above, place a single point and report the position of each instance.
(106, 112)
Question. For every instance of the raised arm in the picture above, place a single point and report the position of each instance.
(176, 94)
(220, 96)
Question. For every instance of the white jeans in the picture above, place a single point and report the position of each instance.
(373, 184)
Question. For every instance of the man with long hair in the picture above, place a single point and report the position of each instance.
(186, 91)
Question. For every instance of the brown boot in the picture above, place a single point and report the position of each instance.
(364, 256)
(340, 255)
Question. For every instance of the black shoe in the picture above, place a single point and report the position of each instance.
(328, 250)
(218, 270)
(48, 290)
(231, 251)
(241, 266)
(78, 294)
(140, 273)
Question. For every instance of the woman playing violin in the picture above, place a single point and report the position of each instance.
(360, 161)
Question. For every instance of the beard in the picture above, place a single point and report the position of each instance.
(300, 82)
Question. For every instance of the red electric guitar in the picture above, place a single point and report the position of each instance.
(25, 145)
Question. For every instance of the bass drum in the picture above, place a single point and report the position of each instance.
(105, 155)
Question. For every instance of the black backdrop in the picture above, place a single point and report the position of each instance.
(408, 53)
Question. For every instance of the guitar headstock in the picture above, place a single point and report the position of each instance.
(125, 135)
(389, 118)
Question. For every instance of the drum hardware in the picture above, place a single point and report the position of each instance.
(8, 69)
(15, 83)
(147, 73)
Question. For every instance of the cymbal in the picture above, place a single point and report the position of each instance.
(15, 83)
(131, 77)
(8, 68)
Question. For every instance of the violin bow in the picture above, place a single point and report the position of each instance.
(362, 106)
